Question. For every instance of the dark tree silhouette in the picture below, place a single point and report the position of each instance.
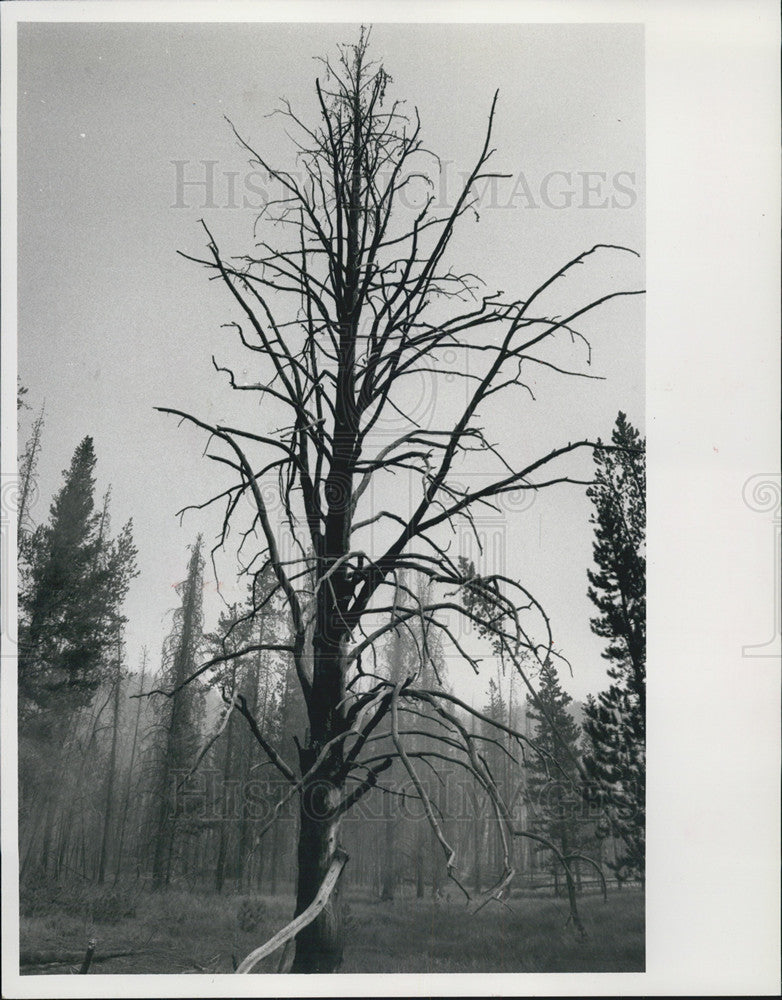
(615, 722)
(355, 297)
(76, 581)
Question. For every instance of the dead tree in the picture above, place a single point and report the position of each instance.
(109, 790)
(354, 298)
(131, 773)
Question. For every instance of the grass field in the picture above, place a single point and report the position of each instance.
(185, 932)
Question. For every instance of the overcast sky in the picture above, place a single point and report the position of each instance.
(112, 118)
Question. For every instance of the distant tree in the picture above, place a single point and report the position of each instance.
(265, 685)
(179, 714)
(110, 784)
(234, 631)
(71, 598)
(131, 773)
(615, 722)
(553, 783)
(479, 594)
(398, 664)
(73, 583)
(488, 835)
(28, 469)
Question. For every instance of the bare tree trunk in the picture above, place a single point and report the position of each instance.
(164, 836)
(319, 945)
(419, 866)
(59, 742)
(389, 864)
(571, 890)
(273, 859)
(63, 845)
(123, 821)
(222, 844)
(109, 797)
(435, 864)
(243, 840)
(259, 864)
(245, 761)
(478, 853)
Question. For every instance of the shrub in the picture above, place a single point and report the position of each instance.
(110, 907)
(250, 914)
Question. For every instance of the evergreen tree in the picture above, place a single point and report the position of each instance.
(179, 716)
(70, 599)
(75, 578)
(615, 720)
(553, 777)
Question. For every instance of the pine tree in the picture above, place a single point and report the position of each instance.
(615, 722)
(179, 716)
(553, 776)
(70, 599)
(74, 582)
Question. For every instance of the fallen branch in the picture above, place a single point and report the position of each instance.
(34, 958)
(303, 919)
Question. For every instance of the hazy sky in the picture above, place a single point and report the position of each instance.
(112, 322)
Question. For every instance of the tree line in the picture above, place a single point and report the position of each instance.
(123, 781)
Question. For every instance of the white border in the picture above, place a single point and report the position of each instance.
(712, 415)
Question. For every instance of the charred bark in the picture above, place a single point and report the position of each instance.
(319, 946)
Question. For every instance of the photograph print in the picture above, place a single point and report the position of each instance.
(331, 498)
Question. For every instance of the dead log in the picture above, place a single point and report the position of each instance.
(33, 958)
